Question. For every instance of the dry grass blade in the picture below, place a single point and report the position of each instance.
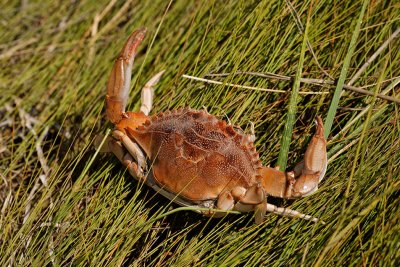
(246, 87)
(320, 82)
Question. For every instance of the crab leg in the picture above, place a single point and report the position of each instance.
(120, 78)
(290, 213)
(148, 93)
(124, 156)
(252, 136)
(304, 179)
(134, 151)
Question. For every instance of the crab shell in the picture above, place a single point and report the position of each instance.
(194, 154)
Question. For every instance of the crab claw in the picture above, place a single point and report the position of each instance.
(120, 78)
(304, 179)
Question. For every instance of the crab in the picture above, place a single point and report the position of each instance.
(197, 160)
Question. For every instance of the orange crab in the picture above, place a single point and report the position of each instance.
(198, 160)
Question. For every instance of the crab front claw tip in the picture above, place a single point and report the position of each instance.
(320, 127)
(129, 50)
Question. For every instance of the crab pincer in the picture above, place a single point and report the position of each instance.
(305, 177)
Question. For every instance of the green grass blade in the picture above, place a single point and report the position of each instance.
(344, 72)
(292, 106)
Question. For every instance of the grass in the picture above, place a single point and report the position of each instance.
(61, 203)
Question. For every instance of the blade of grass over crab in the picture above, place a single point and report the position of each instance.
(292, 106)
(344, 72)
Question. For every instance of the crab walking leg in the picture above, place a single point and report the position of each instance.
(224, 202)
(132, 167)
(133, 150)
(125, 158)
(259, 212)
(252, 136)
(97, 142)
(290, 213)
(252, 199)
(120, 78)
(115, 147)
(304, 180)
(148, 93)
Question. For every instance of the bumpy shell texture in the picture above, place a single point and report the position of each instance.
(195, 155)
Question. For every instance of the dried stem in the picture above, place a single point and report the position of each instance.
(319, 82)
(374, 56)
(247, 87)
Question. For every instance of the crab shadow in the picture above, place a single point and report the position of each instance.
(195, 223)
